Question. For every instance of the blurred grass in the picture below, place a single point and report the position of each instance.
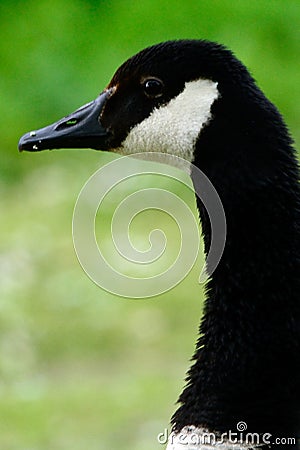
(80, 368)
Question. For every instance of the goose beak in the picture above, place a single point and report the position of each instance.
(81, 129)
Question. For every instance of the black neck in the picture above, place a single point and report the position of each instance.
(247, 358)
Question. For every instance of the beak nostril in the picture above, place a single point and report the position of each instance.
(67, 124)
(71, 122)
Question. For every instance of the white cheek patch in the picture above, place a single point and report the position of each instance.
(174, 127)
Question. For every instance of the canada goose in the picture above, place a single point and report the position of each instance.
(246, 363)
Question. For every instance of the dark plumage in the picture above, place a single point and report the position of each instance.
(247, 360)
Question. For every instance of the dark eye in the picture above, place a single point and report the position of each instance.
(153, 87)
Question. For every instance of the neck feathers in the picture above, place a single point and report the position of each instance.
(247, 359)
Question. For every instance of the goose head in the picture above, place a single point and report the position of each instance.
(160, 100)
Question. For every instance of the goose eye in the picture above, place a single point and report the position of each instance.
(153, 87)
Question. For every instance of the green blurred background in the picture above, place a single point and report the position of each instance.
(81, 368)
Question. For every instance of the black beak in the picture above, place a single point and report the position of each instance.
(81, 129)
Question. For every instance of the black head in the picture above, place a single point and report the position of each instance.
(159, 73)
